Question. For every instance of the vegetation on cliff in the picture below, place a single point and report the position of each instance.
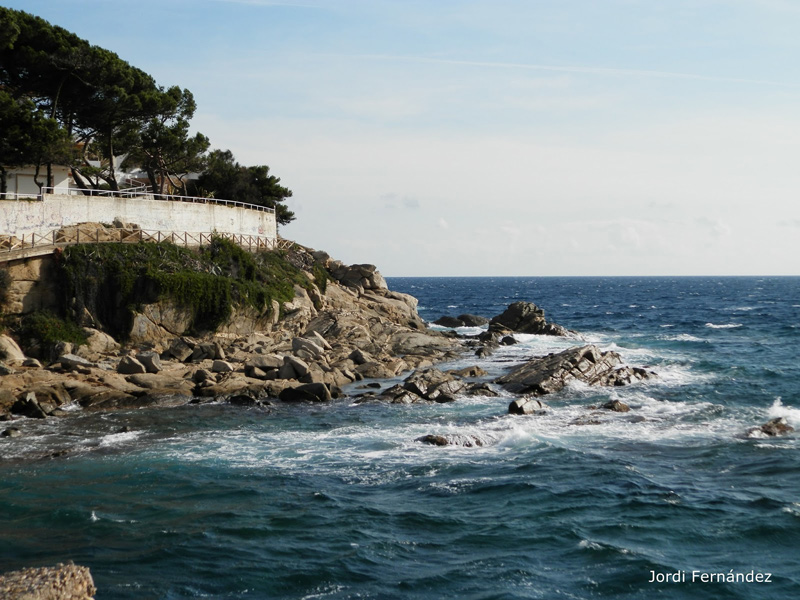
(110, 281)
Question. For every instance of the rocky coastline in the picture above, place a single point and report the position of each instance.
(348, 328)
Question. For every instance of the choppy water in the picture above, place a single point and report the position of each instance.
(339, 501)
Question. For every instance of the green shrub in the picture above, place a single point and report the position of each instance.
(112, 281)
(47, 328)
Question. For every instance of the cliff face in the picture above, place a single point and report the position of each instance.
(211, 324)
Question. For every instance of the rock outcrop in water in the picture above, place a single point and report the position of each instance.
(772, 428)
(551, 373)
(62, 582)
(526, 317)
(465, 320)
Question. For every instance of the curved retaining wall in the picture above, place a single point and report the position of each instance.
(25, 217)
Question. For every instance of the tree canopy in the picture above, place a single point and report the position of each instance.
(65, 101)
(223, 177)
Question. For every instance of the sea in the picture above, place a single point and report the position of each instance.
(683, 497)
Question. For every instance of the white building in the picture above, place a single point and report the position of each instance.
(20, 180)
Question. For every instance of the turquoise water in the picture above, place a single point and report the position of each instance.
(339, 501)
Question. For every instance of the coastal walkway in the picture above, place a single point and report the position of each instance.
(81, 226)
(38, 245)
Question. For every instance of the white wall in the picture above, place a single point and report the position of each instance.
(21, 180)
(24, 217)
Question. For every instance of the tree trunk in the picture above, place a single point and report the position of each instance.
(151, 175)
(82, 184)
(112, 176)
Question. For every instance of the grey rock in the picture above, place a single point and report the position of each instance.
(314, 350)
(309, 392)
(527, 406)
(221, 366)
(446, 321)
(71, 361)
(315, 337)
(616, 406)
(11, 432)
(10, 350)
(130, 366)
(548, 374)
(32, 362)
(473, 371)
(151, 361)
(180, 349)
(28, 406)
(526, 317)
(300, 367)
(467, 441)
(360, 357)
(472, 320)
(265, 362)
(201, 375)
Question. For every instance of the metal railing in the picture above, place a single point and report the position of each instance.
(143, 193)
(35, 244)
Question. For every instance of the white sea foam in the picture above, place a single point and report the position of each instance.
(682, 337)
(778, 410)
(115, 439)
(793, 509)
(723, 326)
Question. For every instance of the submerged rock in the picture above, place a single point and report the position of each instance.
(551, 373)
(616, 406)
(467, 441)
(772, 428)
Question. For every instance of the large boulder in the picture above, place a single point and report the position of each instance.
(9, 350)
(128, 365)
(365, 277)
(472, 320)
(309, 392)
(548, 374)
(527, 406)
(526, 317)
(465, 320)
(433, 384)
(100, 342)
(446, 321)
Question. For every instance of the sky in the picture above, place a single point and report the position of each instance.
(502, 137)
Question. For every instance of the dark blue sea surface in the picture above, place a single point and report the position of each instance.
(339, 500)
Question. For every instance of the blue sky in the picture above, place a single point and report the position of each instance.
(511, 137)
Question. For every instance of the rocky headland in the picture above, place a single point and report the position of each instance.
(291, 326)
